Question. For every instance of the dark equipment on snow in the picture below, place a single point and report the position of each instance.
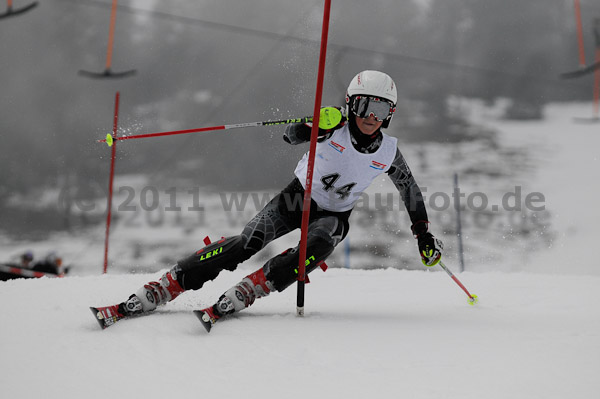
(10, 272)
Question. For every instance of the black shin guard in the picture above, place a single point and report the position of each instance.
(282, 270)
(207, 263)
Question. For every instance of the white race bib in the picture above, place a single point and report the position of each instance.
(341, 173)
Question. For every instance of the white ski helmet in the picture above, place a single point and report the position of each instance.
(372, 84)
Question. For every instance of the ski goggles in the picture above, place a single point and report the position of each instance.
(365, 106)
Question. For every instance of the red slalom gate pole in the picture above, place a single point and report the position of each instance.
(311, 161)
(579, 33)
(110, 183)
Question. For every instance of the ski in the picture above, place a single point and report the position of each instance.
(206, 317)
(107, 316)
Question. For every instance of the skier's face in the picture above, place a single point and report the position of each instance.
(368, 125)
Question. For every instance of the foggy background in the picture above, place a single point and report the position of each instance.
(207, 62)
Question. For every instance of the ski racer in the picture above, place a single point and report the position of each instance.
(349, 157)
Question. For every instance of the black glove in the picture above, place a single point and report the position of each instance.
(430, 248)
(297, 133)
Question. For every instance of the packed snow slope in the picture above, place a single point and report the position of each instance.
(367, 333)
(384, 333)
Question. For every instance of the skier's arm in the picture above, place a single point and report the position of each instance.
(298, 133)
(409, 190)
(430, 248)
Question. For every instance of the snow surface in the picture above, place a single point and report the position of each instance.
(378, 333)
(392, 333)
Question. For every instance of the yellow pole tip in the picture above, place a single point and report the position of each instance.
(473, 300)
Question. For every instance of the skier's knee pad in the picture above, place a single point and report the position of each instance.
(282, 270)
(208, 262)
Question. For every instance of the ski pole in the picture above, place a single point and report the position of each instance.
(472, 298)
(109, 138)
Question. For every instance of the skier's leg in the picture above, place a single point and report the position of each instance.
(281, 271)
(240, 296)
(208, 262)
(153, 294)
(191, 273)
(271, 222)
(324, 234)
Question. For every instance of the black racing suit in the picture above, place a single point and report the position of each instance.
(283, 214)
